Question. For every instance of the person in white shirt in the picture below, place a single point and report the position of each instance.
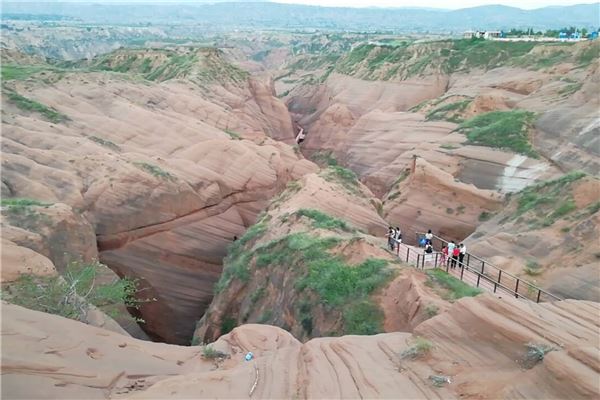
(429, 237)
(451, 247)
(463, 251)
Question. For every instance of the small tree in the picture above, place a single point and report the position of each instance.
(70, 295)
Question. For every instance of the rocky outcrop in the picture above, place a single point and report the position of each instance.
(546, 234)
(319, 217)
(475, 340)
(430, 198)
(160, 172)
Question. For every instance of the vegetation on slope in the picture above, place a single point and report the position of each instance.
(544, 203)
(319, 278)
(201, 65)
(501, 129)
(404, 59)
(453, 288)
(69, 295)
(448, 112)
(27, 104)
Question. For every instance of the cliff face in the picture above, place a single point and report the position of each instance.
(161, 173)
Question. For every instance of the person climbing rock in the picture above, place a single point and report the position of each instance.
(462, 252)
(301, 136)
(429, 237)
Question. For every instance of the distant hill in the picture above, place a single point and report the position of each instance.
(266, 15)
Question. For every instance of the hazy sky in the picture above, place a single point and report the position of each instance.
(448, 4)
(454, 4)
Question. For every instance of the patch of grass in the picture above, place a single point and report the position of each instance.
(343, 176)
(26, 104)
(265, 317)
(587, 56)
(594, 207)
(536, 353)
(210, 353)
(448, 112)
(542, 197)
(234, 135)
(362, 317)
(228, 324)
(501, 129)
(431, 310)
(569, 89)
(532, 268)
(449, 146)
(258, 294)
(485, 216)
(105, 143)
(16, 203)
(455, 288)
(324, 157)
(155, 171)
(419, 348)
(324, 221)
(69, 295)
(19, 72)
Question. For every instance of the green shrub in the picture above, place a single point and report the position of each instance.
(448, 112)
(19, 72)
(431, 310)
(362, 317)
(227, 325)
(265, 317)
(532, 268)
(155, 171)
(258, 294)
(336, 283)
(234, 135)
(324, 157)
(485, 216)
(420, 347)
(343, 176)
(210, 353)
(105, 143)
(501, 129)
(324, 221)
(30, 105)
(69, 295)
(456, 289)
(15, 203)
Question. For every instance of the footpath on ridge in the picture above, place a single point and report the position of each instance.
(474, 271)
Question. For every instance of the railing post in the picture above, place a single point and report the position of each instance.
(407, 253)
(418, 259)
(398, 251)
(478, 278)
(517, 289)
(482, 269)
(436, 260)
(499, 275)
(538, 296)
(495, 287)
(482, 266)
(469, 261)
(447, 266)
(462, 271)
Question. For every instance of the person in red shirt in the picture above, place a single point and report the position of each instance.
(455, 254)
(444, 258)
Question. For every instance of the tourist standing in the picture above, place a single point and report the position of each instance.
(455, 254)
(429, 237)
(462, 252)
(391, 235)
(451, 247)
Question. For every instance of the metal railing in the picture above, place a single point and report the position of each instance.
(495, 276)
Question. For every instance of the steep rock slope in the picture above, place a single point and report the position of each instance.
(158, 169)
(475, 350)
(386, 103)
(318, 227)
(548, 233)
